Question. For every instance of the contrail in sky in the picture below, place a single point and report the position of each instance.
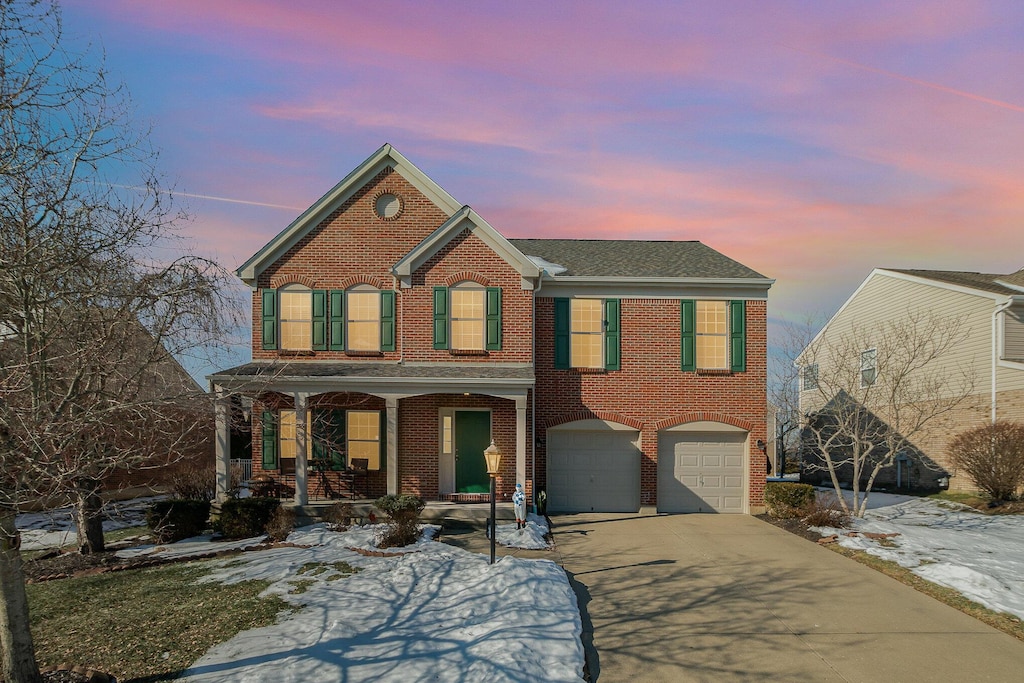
(219, 199)
(915, 81)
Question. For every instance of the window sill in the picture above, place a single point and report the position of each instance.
(364, 354)
(714, 371)
(295, 353)
(468, 352)
(589, 371)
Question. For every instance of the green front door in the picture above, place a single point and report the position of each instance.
(472, 437)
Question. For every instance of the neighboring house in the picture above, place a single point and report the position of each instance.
(396, 332)
(989, 354)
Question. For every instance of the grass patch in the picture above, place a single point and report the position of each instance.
(145, 624)
(1006, 623)
(300, 586)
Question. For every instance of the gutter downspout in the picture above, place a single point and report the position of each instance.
(533, 394)
(995, 350)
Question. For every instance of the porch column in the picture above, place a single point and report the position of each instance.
(392, 428)
(222, 421)
(521, 441)
(301, 469)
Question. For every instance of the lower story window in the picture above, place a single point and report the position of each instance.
(286, 437)
(363, 431)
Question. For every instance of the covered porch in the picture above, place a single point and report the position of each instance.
(431, 420)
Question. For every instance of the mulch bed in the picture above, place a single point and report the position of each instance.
(793, 526)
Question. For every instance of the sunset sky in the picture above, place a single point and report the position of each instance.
(811, 141)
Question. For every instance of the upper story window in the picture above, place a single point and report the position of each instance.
(467, 319)
(362, 318)
(868, 367)
(586, 331)
(713, 335)
(296, 320)
(809, 377)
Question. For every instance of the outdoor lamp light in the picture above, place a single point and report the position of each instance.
(492, 456)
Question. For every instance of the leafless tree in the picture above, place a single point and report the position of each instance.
(875, 390)
(97, 296)
(993, 456)
(784, 385)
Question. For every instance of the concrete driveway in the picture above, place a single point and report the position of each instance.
(732, 598)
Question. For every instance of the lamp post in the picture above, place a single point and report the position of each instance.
(492, 456)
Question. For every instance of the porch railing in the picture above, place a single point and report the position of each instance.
(244, 469)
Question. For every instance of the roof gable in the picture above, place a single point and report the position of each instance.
(385, 157)
(465, 218)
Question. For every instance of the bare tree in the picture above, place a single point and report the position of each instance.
(97, 294)
(784, 376)
(993, 456)
(872, 391)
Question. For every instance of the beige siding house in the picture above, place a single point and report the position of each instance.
(986, 360)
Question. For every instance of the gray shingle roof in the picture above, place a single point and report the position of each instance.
(378, 370)
(635, 258)
(985, 282)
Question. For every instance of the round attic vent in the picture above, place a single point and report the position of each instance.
(388, 206)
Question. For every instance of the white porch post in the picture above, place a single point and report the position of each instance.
(521, 441)
(222, 420)
(301, 469)
(392, 430)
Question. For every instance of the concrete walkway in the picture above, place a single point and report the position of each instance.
(732, 598)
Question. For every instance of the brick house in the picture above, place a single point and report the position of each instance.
(396, 334)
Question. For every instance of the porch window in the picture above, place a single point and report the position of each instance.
(363, 432)
(286, 440)
(467, 318)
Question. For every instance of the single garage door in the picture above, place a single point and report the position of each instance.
(700, 471)
(593, 470)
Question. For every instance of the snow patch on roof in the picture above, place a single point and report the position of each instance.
(547, 266)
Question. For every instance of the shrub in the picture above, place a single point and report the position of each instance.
(246, 517)
(173, 520)
(282, 522)
(339, 516)
(403, 513)
(993, 456)
(827, 512)
(788, 499)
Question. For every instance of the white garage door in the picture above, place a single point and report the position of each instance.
(700, 471)
(593, 470)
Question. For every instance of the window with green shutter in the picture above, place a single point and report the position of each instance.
(612, 335)
(737, 336)
(440, 317)
(269, 311)
(688, 327)
(562, 321)
(269, 440)
(493, 321)
(337, 317)
(319, 320)
(387, 320)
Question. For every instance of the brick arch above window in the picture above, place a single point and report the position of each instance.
(353, 280)
(466, 276)
(606, 415)
(703, 416)
(279, 281)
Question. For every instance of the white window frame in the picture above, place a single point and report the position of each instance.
(868, 363)
(722, 337)
(283, 322)
(361, 290)
(479, 322)
(378, 440)
(575, 334)
(809, 377)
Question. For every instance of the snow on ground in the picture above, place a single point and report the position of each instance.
(530, 538)
(56, 528)
(439, 614)
(980, 556)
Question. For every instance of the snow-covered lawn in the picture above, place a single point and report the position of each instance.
(56, 528)
(430, 612)
(532, 537)
(980, 556)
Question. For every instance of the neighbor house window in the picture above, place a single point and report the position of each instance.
(809, 377)
(467, 317)
(362, 318)
(868, 367)
(712, 335)
(362, 428)
(296, 318)
(586, 333)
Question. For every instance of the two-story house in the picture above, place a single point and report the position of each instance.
(984, 363)
(397, 333)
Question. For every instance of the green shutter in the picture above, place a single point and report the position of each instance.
(269, 304)
(440, 317)
(612, 335)
(337, 318)
(688, 326)
(319, 320)
(387, 320)
(269, 440)
(738, 336)
(562, 313)
(493, 319)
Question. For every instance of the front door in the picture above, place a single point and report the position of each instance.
(472, 437)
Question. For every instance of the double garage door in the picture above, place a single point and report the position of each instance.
(595, 467)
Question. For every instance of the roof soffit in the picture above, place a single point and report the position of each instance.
(386, 156)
